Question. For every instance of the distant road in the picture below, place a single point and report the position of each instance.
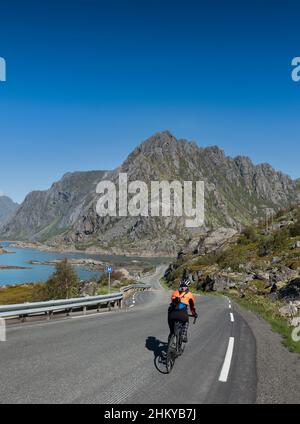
(110, 358)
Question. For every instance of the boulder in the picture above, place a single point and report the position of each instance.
(215, 240)
(291, 291)
(123, 272)
(288, 310)
(87, 288)
(217, 282)
(295, 322)
(115, 283)
(262, 276)
(276, 260)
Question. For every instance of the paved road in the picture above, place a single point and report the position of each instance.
(113, 358)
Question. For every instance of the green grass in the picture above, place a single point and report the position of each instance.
(164, 284)
(102, 290)
(19, 294)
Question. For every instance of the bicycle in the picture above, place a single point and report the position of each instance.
(175, 345)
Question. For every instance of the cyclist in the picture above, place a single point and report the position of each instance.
(182, 299)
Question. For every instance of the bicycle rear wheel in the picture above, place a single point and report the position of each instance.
(170, 357)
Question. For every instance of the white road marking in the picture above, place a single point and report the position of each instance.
(131, 306)
(90, 315)
(227, 361)
(133, 301)
(231, 317)
(229, 306)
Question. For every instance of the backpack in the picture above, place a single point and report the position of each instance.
(176, 305)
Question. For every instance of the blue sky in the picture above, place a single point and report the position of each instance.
(89, 80)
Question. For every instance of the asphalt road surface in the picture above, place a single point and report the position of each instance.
(114, 357)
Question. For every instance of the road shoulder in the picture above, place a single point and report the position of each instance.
(278, 370)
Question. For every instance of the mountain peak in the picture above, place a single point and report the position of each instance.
(160, 139)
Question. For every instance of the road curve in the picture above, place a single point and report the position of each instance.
(113, 357)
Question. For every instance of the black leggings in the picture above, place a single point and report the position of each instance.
(173, 316)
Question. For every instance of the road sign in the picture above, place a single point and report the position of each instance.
(109, 269)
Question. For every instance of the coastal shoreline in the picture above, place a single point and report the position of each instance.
(90, 250)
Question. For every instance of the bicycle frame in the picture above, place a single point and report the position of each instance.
(173, 353)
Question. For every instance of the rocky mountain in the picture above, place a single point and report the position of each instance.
(44, 214)
(236, 193)
(7, 208)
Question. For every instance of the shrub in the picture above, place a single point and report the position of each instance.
(295, 230)
(280, 239)
(250, 234)
(273, 243)
(63, 283)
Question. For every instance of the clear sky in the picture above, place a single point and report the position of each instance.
(89, 80)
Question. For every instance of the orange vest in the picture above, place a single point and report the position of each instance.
(184, 297)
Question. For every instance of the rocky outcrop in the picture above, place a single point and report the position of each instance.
(291, 291)
(215, 240)
(7, 209)
(87, 288)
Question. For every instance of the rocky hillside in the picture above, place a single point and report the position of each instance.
(44, 214)
(236, 192)
(262, 264)
(7, 208)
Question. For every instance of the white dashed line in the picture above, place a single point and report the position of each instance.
(131, 306)
(2, 330)
(90, 315)
(227, 361)
(229, 306)
(231, 317)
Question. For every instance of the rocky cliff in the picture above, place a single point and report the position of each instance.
(7, 208)
(44, 214)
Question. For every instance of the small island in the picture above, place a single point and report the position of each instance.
(4, 252)
(5, 267)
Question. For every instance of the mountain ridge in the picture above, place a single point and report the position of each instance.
(236, 193)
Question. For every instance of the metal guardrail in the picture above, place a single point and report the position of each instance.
(135, 286)
(51, 306)
(48, 307)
